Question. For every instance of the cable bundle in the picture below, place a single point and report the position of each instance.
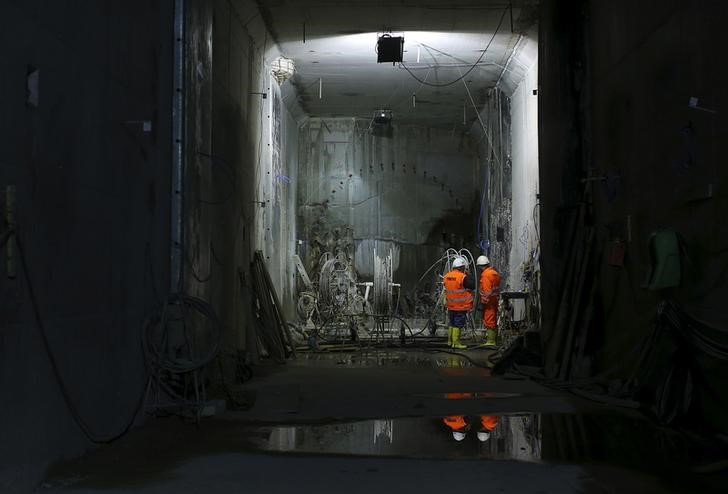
(382, 284)
(178, 341)
(693, 331)
(180, 338)
(335, 281)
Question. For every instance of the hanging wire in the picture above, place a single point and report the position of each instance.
(472, 67)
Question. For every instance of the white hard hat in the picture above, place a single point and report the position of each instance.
(460, 262)
(482, 261)
(459, 436)
(483, 436)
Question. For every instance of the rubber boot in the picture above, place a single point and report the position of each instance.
(490, 337)
(456, 339)
(449, 336)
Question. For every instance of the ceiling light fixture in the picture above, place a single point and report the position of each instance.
(383, 116)
(282, 69)
(390, 48)
(381, 125)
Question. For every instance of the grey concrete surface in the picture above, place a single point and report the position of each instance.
(92, 190)
(525, 167)
(315, 442)
(263, 474)
(406, 193)
(440, 43)
(614, 90)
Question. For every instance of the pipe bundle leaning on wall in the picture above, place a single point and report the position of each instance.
(270, 323)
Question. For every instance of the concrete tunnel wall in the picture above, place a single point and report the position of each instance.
(524, 252)
(406, 194)
(92, 213)
(241, 163)
(508, 155)
(93, 196)
(614, 89)
(670, 160)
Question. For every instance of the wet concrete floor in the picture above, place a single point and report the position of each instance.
(291, 442)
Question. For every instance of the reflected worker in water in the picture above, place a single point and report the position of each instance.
(460, 424)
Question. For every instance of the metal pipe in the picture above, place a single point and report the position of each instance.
(178, 130)
(10, 218)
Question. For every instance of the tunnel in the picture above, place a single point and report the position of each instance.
(339, 246)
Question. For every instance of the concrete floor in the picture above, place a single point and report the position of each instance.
(354, 422)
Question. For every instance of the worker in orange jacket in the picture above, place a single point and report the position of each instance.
(489, 290)
(459, 298)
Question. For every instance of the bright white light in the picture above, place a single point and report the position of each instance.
(282, 69)
(359, 49)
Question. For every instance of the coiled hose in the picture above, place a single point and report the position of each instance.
(192, 346)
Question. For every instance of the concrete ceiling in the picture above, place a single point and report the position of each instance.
(448, 36)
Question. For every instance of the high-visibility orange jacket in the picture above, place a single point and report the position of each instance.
(488, 422)
(459, 298)
(489, 285)
(455, 422)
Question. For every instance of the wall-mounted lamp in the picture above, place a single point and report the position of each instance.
(282, 69)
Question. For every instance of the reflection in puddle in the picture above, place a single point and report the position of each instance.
(469, 395)
(512, 437)
(608, 448)
(614, 439)
(387, 358)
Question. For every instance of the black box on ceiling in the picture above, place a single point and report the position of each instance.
(390, 48)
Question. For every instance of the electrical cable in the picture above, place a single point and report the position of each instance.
(413, 291)
(481, 242)
(535, 223)
(65, 392)
(193, 271)
(238, 405)
(459, 354)
(156, 336)
(5, 237)
(382, 284)
(692, 330)
(214, 255)
(431, 84)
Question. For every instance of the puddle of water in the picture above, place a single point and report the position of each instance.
(620, 443)
(388, 358)
(513, 438)
(616, 440)
(468, 395)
